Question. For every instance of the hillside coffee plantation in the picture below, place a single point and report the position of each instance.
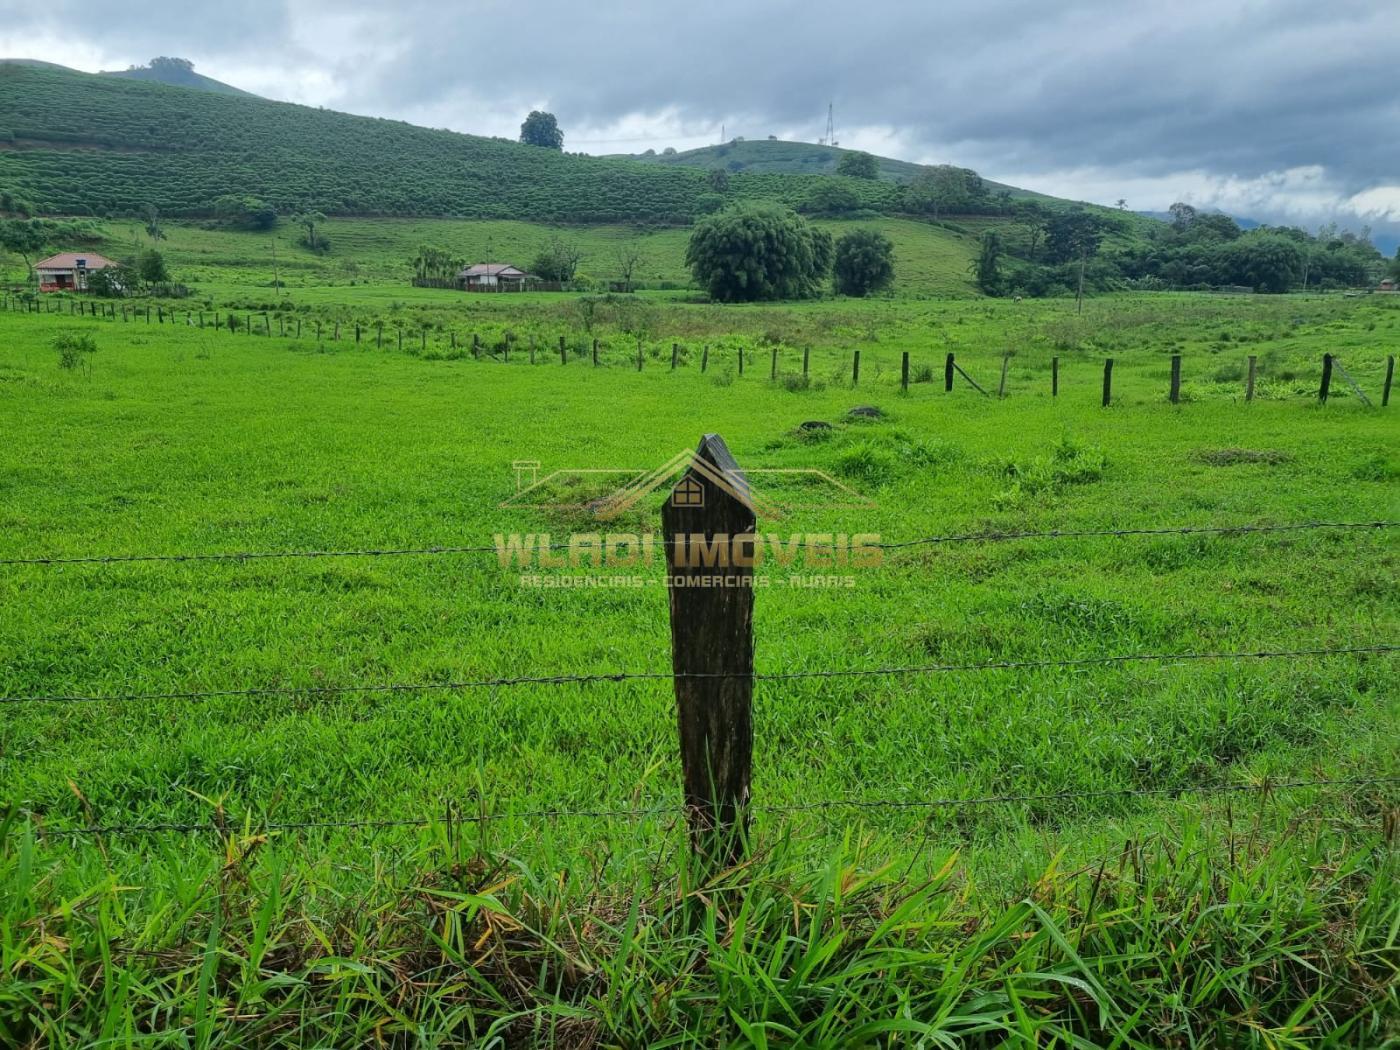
(347, 697)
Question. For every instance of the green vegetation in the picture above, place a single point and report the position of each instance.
(863, 263)
(1257, 920)
(541, 129)
(176, 72)
(858, 165)
(758, 252)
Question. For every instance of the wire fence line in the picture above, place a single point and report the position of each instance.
(453, 816)
(626, 676)
(922, 541)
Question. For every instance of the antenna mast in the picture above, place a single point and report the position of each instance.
(830, 139)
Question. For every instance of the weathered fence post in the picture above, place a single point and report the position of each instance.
(1389, 375)
(1001, 387)
(1107, 381)
(1175, 393)
(563, 352)
(1249, 379)
(948, 375)
(705, 358)
(855, 367)
(298, 327)
(741, 360)
(639, 355)
(1054, 377)
(708, 524)
(357, 333)
(595, 351)
(806, 360)
(675, 355)
(335, 337)
(904, 372)
(422, 340)
(400, 337)
(773, 366)
(1326, 378)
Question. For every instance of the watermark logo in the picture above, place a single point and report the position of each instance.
(714, 558)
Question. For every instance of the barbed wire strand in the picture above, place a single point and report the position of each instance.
(634, 813)
(625, 676)
(966, 537)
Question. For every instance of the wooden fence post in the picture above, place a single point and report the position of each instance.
(335, 337)
(675, 355)
(1389, 375)
(1175, 393)
(563, 352)
(806, 360)
(595, 351)
(1054, 377)
(1107, 381)
(422, 339)
(712, 650)
(705, 358)
(1249, 379)
(532, 349)
(357, 333)
(639, 355)
(1326, 378)
(357, 329)
(741, 360)
(1001, 387)
(904, 372)
(855, 368)
(948, 375)
(298, 327)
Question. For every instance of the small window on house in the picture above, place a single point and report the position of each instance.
(689, 493)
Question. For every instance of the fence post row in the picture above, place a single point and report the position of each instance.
(712, 640)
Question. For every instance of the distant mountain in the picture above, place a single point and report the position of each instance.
(177, 72)
(779, 156)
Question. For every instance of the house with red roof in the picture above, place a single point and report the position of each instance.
(68, 271)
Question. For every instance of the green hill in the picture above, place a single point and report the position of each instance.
(176, 72)
(76, 143)
(780, 157)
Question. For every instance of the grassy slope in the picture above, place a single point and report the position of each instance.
(180, 440)
(180, 79)
(221, 265)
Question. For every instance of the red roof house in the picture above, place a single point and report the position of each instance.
(67, 271)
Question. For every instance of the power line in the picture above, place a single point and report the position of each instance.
(624, 676)
(634, 813)
(965, 537)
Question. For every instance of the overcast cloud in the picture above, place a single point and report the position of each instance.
(1280, 111)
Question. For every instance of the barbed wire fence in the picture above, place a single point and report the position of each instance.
(587, 349)
(747, 676)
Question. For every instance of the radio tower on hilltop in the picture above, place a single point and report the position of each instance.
(830, 139)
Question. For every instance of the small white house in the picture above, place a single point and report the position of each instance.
(493, 277)
(67, 271)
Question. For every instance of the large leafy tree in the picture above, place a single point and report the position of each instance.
(25, 238)
(557, 261)
(759, 252)
(864, 262)
(986, 268)
(858, 165)
(541, 129)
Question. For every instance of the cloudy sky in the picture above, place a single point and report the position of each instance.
(1278, 110)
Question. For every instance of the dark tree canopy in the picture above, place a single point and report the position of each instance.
(986, 268)
(249, 213)
(830, 197)
(541, 129)
(864, 262)
(858, 165)
(759, 252)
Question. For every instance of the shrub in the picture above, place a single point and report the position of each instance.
(864, 262)
(72, 347)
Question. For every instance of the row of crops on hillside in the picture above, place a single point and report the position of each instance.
(79, 144)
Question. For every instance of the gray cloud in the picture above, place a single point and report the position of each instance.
(1197, 95)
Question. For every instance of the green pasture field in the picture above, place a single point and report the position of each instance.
(374, 256)
(1258, 919)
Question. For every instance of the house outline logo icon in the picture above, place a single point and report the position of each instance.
(682, 467)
